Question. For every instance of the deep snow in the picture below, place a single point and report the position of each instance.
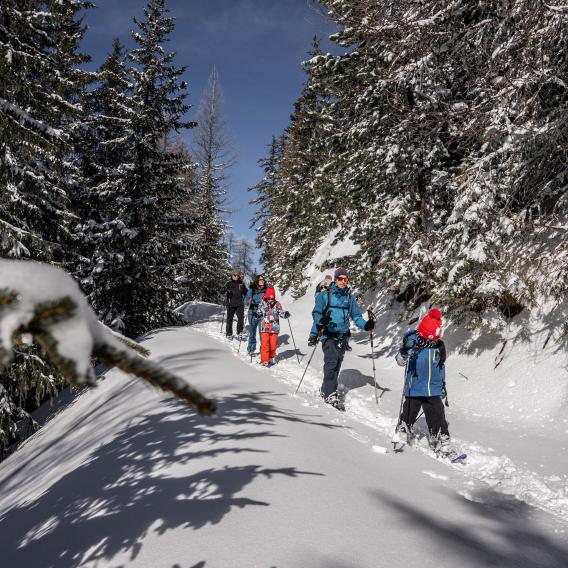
(124, 476)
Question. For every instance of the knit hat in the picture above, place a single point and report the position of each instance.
(270, 293)
(341, 272)
(431, 325)
(326, 281)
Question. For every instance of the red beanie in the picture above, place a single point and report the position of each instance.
(431, 325)
(270, 293)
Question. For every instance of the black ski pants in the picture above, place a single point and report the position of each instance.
(231, 311)
(433, 412)
(333, 353)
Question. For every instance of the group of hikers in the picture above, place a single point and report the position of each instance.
(422, 353)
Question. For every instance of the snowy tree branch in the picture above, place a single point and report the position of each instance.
(44, 302)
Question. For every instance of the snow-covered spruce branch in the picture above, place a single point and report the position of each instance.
(45, 303)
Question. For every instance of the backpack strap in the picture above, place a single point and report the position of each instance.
(329, 306)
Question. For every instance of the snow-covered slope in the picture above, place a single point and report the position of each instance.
(126, 477)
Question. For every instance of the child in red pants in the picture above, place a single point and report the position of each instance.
(269, 311)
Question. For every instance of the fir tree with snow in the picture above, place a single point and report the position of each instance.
(152, 186)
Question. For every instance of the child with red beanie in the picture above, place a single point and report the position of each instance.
(269, 311)
(423, 353)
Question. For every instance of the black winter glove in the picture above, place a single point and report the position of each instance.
(369, 325)
(312, 340)
(286, 314)
(325, 320)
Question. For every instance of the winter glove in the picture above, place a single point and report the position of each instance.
(369, 325)
(325, 320)
(444, 391)
(401, 359)
(312, 340)
(286, 315)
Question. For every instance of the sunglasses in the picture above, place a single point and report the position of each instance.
(343, 278)
(323, 287)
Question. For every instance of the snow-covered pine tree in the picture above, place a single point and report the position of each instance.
(303, 201)
(264, 220)
(506, 239)
(39, 113)
(188, 235)
(212, 150)
(107, 159)
(445, 131)
(153, 189)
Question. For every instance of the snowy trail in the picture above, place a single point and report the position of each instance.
(515, 462)
(126, 477)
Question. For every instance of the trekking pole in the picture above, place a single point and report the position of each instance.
(372, 317)
(294, 342)
(401, 398)
(305, 370)
(223, 320)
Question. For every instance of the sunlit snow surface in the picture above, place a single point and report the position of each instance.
(124, 476)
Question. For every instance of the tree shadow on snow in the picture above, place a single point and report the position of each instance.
(127, 489)
(503, 536)
(199, 312)
(351, 379)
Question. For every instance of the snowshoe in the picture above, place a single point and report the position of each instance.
(229, 337)
(334, 400)
(402, 436)
(443, 449)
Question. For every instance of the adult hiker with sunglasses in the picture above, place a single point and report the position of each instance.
(235, 292)
(332, 313)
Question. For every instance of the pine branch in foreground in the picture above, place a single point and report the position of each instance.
(56, 315)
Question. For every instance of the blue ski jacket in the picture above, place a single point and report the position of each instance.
(343, 308)
(253, 298)
(425, 373)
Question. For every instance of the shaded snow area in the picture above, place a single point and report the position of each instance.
(124, 476)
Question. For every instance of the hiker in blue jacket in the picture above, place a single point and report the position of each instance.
(423, 354)
(254, 296)
(332, 314)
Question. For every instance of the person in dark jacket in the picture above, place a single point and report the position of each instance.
(423, 354)
(256, 292)
(332, 314)
(235, 291)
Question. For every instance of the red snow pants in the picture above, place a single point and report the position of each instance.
(268, 347)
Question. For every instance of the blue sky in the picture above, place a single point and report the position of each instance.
(257, 47)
